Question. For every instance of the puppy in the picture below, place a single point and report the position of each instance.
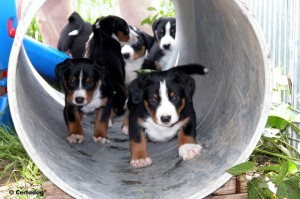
(108, 33)
(160, 108)
(88, 89)
(164, 31)
(135, 54)
(74, 36)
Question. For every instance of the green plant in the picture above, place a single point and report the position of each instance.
(274, 166)
(166, 9)
(18, 166)
(275, 181)
(34, 31)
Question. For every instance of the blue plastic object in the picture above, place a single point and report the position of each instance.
(8, 24)
(44, 58)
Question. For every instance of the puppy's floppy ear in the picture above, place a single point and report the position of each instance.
(188, 83)
(136, 89)
(60, 69)
(155, 24)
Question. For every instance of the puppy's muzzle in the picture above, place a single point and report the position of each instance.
(165, 119)
(79, 100)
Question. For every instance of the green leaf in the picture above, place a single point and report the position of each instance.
(276, 122)
(242, 168)
(253, 190)
(151, 9)
(154, 18)
(293, 169)
(144, 71)
(270, 168)
(282, 173)
(289, 188)
(146, 21)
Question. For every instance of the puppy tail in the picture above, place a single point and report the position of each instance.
(192, 69)
(76, 18)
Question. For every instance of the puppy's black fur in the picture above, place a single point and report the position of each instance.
(160, 107)
(108, 32)
(164, 31)
(74, 36)
(87, 88)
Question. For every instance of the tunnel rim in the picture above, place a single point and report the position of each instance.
(31, 10)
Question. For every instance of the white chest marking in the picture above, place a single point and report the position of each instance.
(159, 133)
(95, 103)
(131, 67)
(164, 61)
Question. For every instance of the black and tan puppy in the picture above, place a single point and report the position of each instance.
(164, 31)
(87, 88)
(105, 44)
(160, 108)
(135, 54)
(74, 36)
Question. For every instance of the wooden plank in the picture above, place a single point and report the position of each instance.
(235, 188)
(231, 196)
(241, 184)
(53, 192)
(228, 188)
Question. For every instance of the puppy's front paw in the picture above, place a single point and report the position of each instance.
(139, 163)
(100, 139)
(110, 123)
(75, 138)
(189, 151)
(125, 130)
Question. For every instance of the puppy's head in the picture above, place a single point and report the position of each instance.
(140, 47)
(163, 94)
(164, 30)
(80, 78)
(115, 27)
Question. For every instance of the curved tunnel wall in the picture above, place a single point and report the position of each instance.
(231, 105)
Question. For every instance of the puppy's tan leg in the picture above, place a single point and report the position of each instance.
(188, 149)
(139, 157)
(75, 128)
(125, 125)
(101, 126)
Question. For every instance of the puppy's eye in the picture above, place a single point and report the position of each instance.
(71, 82)
(89, 80)
(152, 100)
(175, 99)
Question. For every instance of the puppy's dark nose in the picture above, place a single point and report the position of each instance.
(126, 55)
(167, 46)
(79, 100)
(165, 119)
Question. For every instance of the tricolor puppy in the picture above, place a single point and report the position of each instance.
(105, 44)
(74, 36)
(88, 89)
(164, 31)
(135, 54)
(160, 108)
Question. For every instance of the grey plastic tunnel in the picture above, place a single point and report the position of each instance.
(231, 102)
